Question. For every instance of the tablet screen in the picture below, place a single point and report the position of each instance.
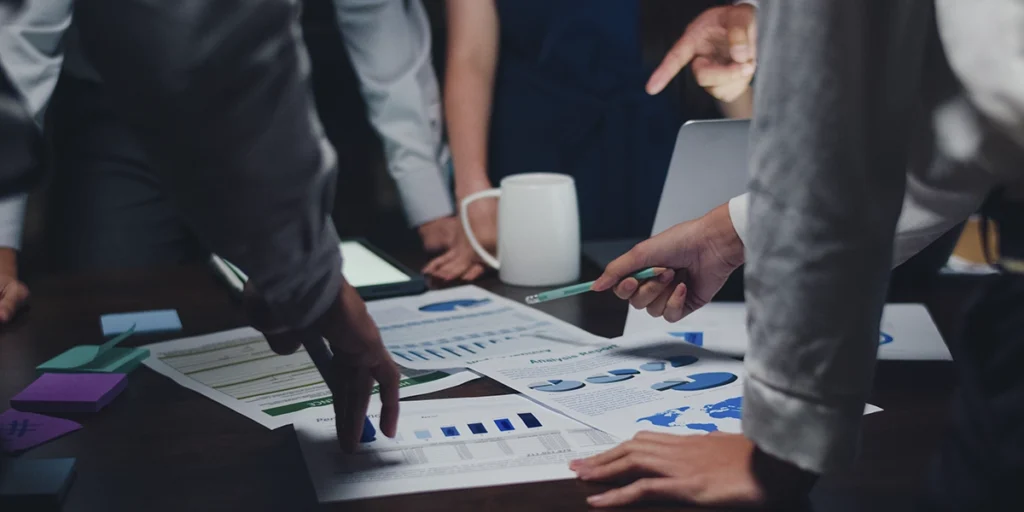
(361, 267)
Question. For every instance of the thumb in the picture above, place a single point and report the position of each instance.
(676, 59)
(740, 25)
(636, 259)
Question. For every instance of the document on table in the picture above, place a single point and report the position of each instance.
(459, 326)
(650, 382)
(907, 330)
(237, 369)
(448, 444)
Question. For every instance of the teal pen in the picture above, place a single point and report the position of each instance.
(577, 289)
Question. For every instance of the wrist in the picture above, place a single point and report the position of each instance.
(724, 239)
(472, 185)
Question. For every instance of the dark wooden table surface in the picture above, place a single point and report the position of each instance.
(162, 447)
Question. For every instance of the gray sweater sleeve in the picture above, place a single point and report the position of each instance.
(829, 144)
(218, 93)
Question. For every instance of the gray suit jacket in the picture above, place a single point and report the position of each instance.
(855, 102)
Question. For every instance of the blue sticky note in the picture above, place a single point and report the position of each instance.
(369, 433)
(144, 321)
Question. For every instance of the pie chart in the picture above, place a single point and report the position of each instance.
(556, 385)
(693, 338)
(452, 305)
(678, 361)
(608, 379)
(884, 338)
(654, 366)
(697, 382)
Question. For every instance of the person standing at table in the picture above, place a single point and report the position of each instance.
(218, 95)
(865, 111)
(555, 85)
(110, 210)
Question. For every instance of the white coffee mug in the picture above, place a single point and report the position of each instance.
(538, 229)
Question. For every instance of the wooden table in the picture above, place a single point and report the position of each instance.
(160, 446)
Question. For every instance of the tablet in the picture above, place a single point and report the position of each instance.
(375, 275)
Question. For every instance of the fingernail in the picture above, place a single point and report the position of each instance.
(596, 499)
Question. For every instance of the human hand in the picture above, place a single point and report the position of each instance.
(359, 359)
(699, 255)
(439, 234)
(721, 42)
(460, 262)
(716, 469)
(13, 293)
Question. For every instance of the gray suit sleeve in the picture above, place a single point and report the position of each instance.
(218, 93)
(828, 156)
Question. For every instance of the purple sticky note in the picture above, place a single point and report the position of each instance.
(23, 430)
(70, 392)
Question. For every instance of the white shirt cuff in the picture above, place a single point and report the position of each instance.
(738, 214)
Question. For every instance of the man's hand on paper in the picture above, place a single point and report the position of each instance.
(721, 44)
(13, 293)
(716, 469)
(699, 255)
(359, 359)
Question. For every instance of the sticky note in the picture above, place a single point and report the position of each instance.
(105, 358)
(70, 392)
(22, 430)
(144, 321)
(369, 433)
(32, 484)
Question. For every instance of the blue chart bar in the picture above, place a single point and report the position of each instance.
(504, 425)
(403, 356)
(481, 345)
(422, 434)
(529, 420)
(435, 354)
(456, 354)
(477, 428)
(467, 349)
(417, 354)
(450, 431)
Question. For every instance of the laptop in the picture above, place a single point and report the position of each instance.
(708, 167)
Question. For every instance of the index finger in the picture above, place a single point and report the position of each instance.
(621, 267)
(740, 24)
(676, 59)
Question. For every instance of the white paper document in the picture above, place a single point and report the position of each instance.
(448, 444)
(238, 369)
(459, 326)
(907, 330)
(651, 382)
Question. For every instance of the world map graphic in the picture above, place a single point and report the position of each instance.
(724, 415)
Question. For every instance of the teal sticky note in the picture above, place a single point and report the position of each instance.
(105, 358)
(35, 484)
(115, 360)
(144, 321)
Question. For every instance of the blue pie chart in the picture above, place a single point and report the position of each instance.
(556, 385)
(697, 382)
(884, 339)
(654, 366)
(452, 305)
(608, 379)
(678, 361)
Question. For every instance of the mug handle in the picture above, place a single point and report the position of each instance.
(473, 242)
